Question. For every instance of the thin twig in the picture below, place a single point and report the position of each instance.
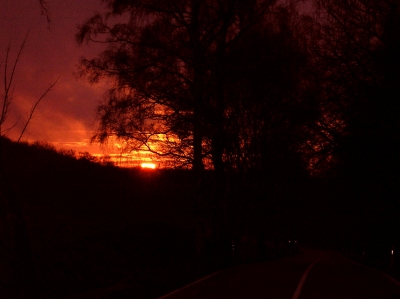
(8, 82)
(34, 108)
(45, 11)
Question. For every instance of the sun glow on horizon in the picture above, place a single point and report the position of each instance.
(148, 165)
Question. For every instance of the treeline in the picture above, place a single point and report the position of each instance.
(245, 86)
(50, 150)
(92, 227)
(293, 106)
(70, 226)
(94, 230)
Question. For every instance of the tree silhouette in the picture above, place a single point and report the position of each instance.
(172, 65)
(204, 83)
(266, 107)
(353, 143)
(355, 45)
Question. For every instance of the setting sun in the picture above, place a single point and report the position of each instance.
(148, 165)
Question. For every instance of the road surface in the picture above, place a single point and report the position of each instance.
(310, 275)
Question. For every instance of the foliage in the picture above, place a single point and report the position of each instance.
(183, 71)
(355, 46)
(267, 108)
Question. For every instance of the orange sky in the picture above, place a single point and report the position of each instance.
(66, 117)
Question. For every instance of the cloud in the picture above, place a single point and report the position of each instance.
(66, 117)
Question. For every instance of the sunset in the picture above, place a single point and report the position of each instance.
(66, 116)
(187, 149)
(148, 165)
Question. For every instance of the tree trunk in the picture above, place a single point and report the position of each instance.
(198, 165)
(197, 90)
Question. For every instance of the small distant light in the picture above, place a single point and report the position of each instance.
(148, 165)
(392, 251)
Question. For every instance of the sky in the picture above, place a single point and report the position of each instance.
(66, 118)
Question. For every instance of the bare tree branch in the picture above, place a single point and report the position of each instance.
(32, 111)
(45, 10)
(8, 83)
(8, 95)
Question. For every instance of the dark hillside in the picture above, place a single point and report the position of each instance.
(98, 231)
(92, 226)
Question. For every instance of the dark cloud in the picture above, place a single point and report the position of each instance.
(66, 116)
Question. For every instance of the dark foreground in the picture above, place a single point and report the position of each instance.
(75, 229)
(312, 274)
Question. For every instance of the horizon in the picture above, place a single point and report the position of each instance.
(66, 117)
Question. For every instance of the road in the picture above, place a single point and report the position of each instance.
(311, 275)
